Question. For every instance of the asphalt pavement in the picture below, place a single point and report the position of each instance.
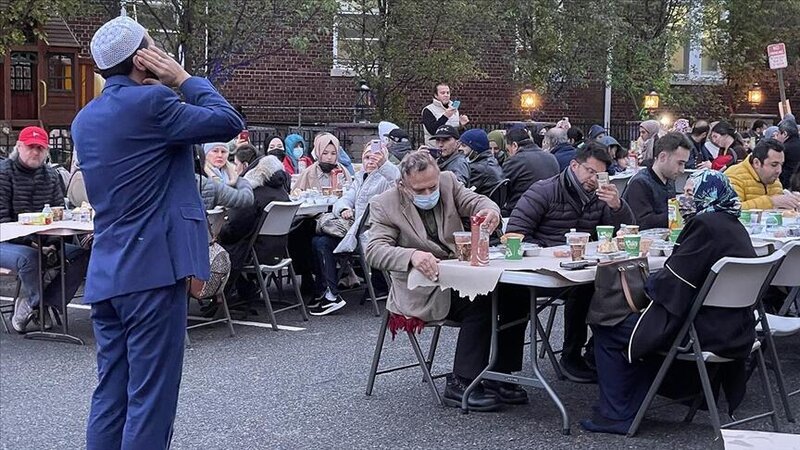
(304, 388)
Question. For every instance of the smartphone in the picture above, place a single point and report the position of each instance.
(244, 135)
(577, 265)
(455, 104)
(375, 146)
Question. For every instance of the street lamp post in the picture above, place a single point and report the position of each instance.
(755, 96)
(651, 101)
(363, 102)
(529, 100)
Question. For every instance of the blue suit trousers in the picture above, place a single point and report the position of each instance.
(140, 343)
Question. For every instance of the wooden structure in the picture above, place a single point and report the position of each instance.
(45, 82)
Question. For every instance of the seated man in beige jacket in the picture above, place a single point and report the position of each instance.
(412, 227)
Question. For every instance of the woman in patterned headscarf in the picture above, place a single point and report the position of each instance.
(626, 354)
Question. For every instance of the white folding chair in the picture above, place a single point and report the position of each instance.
(732, 283)
(276, 221)
(787, 275)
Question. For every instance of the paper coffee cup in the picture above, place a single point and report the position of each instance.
(632, 244)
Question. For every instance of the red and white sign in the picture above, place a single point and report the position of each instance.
(777, 56)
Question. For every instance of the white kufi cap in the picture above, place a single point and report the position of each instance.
(115, 41)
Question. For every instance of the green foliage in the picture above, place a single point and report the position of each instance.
(564, 43)
(237, 32)
(22, 20)
(738, 32)
(396, 45)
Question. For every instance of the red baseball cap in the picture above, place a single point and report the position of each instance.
(34, 136)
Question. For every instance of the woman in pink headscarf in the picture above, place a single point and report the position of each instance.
(648, 134)
(318, 175)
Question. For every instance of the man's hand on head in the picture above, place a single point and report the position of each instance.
(168, 71)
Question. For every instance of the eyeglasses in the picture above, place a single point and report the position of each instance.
(591, 171)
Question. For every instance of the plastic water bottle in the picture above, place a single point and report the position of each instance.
(48, 214)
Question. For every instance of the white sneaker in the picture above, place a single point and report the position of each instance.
(22, 315)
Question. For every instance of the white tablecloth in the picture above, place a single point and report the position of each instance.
(472, 281)
(14, 230)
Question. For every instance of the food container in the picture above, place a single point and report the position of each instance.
(58, 213)
(531, 249)
(756, 228)
(31, 218)
(575, 237)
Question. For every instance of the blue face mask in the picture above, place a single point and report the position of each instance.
(427, 202)
(298, 152)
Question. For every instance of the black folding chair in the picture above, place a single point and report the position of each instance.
(499, 193)
(276, 221)
(423, 362)
(732, 283)
(8, 310)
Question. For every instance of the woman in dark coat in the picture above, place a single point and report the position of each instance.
(270, 183)
(626, 353)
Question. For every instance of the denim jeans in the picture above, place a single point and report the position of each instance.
(24, 261)
(324, 263)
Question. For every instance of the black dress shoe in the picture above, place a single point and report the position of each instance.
(479, 399)
(508, 393)
(575, 369)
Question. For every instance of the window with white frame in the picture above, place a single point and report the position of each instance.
(357, 27)
(691, 65)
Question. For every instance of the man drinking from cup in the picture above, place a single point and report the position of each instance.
(547, 212)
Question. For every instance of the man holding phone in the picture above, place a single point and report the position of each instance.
(441, 112)
(134, 143)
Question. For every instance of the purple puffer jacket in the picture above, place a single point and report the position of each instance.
(548, 210)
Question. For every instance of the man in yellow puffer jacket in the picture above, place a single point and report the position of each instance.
(756, 178)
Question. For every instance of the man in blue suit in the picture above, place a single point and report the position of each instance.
(134, 143)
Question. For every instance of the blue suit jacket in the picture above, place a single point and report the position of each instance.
(134, 145)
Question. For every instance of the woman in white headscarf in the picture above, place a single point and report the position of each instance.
(217, 166)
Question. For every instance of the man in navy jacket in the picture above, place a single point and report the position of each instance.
(134, 143)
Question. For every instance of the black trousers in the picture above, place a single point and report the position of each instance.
(474, 338)
(576, 306)
(622, 386)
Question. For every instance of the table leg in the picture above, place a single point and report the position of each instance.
(535, 363)
(64, 336)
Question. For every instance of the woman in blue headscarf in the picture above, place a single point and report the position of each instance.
(627, 354)
(296, 151)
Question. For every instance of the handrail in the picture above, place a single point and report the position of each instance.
(44, 84)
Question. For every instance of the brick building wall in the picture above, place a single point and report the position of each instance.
(284, 86)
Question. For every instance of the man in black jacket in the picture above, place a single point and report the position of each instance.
(649, 190)
(547, 211)
(27, 183)
(788, 135)
(450, 158)
(527, 164)
(699, 157)
(485, 172)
